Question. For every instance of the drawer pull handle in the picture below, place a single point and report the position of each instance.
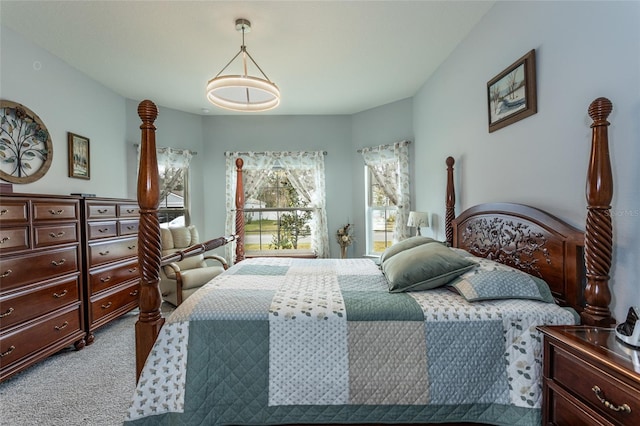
(59, 295)
(131, 210)
(4, 240)
(6, 314)
(103, 230)
(101, 211)
(105, 279)
(11, 349)
(133, 269)
(56, 212)
(60, 327)
(106, 306)
(58, 263)
(6, 273)
(58, 235)
(131, 227)
(104, 253)
(3, 212)
(624, 407)
(131, 247)
(133, 293)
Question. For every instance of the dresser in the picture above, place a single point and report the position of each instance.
(110, 244)
(41, 292)
(590, 378)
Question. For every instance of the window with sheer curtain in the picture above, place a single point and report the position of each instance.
(388, 198)
(173, 170)
(284, 203)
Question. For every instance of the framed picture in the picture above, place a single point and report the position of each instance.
(511, 95)
(79, 159)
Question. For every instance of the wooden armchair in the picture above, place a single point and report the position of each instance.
(180, 279)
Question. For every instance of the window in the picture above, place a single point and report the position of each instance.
(172, 210)
(173, 171)
(284, 203)
(277, 218)
(381, 215)
(388, 196)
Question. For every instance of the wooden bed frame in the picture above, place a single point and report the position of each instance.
(518, 235)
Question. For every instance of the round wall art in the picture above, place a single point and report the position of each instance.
(26, 150)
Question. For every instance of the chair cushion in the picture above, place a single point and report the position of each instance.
(194, 278)
(179, 237)
(185, 264)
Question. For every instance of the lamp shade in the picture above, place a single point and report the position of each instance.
(418, 219)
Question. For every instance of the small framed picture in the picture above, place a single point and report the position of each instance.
(79, 159)
(511, 95)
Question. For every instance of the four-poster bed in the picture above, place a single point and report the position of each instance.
(519, 236)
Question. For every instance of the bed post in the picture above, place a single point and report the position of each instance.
(150, 320)
(599, 233)
(451, 202)
(239, 212)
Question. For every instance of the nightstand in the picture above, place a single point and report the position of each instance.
(590, 378)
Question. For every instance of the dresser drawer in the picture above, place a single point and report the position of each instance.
(14, 239)
(114, 303)
(109, 251)
(128, 210)
(27, 305)
(14, 211)
(595, 387)
(98, 230)
(21, 270)
(52, 235)
(128, 227)
(55, 210)
(37, 335)
(105, 278)
(101, 210)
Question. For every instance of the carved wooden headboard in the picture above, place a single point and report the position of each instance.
(575, 265)
(527, 239)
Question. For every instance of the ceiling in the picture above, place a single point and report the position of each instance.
(327, 57)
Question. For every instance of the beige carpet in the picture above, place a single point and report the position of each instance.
(92, 386)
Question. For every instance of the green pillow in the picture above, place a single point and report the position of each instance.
(426, 266)
(502, 284)
(403, 245)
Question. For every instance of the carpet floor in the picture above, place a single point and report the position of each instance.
(92, 386)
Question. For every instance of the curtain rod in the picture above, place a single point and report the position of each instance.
(359, 151)
(177, 149)
(227, 153)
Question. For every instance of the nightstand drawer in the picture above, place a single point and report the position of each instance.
(609, 396)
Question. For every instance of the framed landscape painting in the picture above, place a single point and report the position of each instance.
(511, 95)
(79, 160)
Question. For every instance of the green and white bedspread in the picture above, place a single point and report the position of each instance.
(281, 341)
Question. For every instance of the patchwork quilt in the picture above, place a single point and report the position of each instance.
(281, 341)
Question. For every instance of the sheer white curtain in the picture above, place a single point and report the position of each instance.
(173, 165)
(305, 171)
(389, 165)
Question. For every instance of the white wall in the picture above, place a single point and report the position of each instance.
(378, 126)
(280, 133)
(584, 50)
(66, 101)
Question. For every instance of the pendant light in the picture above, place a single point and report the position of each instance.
(243, 92)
